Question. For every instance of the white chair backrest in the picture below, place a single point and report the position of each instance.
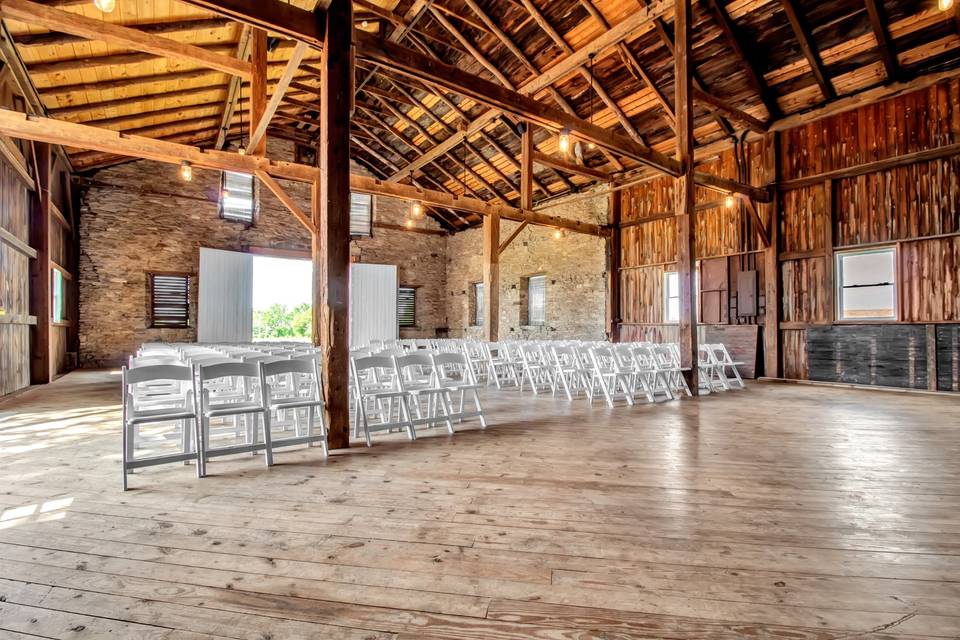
(156, 373)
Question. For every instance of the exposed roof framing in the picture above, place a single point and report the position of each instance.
(439, 98)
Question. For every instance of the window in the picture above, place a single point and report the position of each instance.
(536, 300)
(866, 284)
(237, 197)
(169, 300)
(407, 306)
(58, 308)
(361, 214)
(671, 294)
(671, 297)
(478, 304)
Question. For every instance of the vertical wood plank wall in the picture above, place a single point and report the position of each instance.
(915, 207)
(17, 319)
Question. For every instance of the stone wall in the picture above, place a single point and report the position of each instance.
(141, 217)
(574, 264)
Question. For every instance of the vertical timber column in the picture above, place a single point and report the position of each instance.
(772, 361)
(258, 85)
(614, 252)
(40, 360)
(491, 276)
(684, 194)
(331, 217)
(526, 167)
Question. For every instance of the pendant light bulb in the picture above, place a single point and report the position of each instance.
(557, 234)
(409, 223)
(729, 201)
(563, 140)
(109, 5)
(417, 210)
(242, 151)
(945, 5)
(186, 171)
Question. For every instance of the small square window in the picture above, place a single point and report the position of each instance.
(407, 307)
(671, 294)
(237, 197)
(866, 284)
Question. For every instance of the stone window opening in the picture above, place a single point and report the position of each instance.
(533, 300)
(169, 300)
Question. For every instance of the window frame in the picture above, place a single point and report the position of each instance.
(60, 294)
(371, 208)
(413, 291)
(254, 199)
(151, 275)
(838, 286)
(528, 320)
(664, 297)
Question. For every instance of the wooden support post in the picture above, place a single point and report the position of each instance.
(771, 261)
(491, 277)
(331, 218)
(614, 251)
(684, 190)
(526, 167)
(40, 295)
(258, 87)
(932, 371)
(829, 284)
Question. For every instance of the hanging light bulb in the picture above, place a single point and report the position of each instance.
(557, 234)
(186, 171)
(563, 140)
(364, 24)
(242, 151)
(729, 201)
(416, 210)
(409, 223)
(225, 194)
(945, 5)
(591, 146)
(105, 5)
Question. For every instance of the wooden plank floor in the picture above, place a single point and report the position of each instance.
(776, 512)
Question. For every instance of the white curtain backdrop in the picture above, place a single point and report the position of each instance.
(225, 313)
(373, 303)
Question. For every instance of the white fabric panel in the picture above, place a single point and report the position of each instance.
(225, 313)
(373, 303)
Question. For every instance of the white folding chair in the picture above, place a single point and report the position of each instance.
(219, 398)
(158, 394)
(501, 370)
(712, 377)
(377, 394)
(294, 385)
(455, 376)
(567, 370)
(668, 361)
(418, 379)
(727, 366)
(535, 368)
(609, 377)
(648, 368)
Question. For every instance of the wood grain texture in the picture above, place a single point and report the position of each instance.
(735, 515)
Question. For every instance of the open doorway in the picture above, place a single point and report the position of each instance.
(281, 298)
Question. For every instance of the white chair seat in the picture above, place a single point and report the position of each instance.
(232, 409)
(141, 416)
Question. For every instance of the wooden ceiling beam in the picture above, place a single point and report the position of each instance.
(712, 103)
(299, 52)
(57, 20)
(809, 48)
(176, 26)
(235, 88)
(734, 41)
(570, 167)
(303, 25)
(64, 112)
(885, 48)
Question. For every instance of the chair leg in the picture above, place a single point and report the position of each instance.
(204, 439)
(405, 408)
(476, 400)
(440, 403)
(199, 446)
(267, 438)
(124, 452)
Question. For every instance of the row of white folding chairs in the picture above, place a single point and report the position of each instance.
(248, 393)
(622, 369)
(397, 390)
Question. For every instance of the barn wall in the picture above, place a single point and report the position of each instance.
(15, 317)
(575, 266)
(140, 217)
(914, 207)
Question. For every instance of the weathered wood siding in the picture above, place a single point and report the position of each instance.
(14, 282)
(914, 207)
